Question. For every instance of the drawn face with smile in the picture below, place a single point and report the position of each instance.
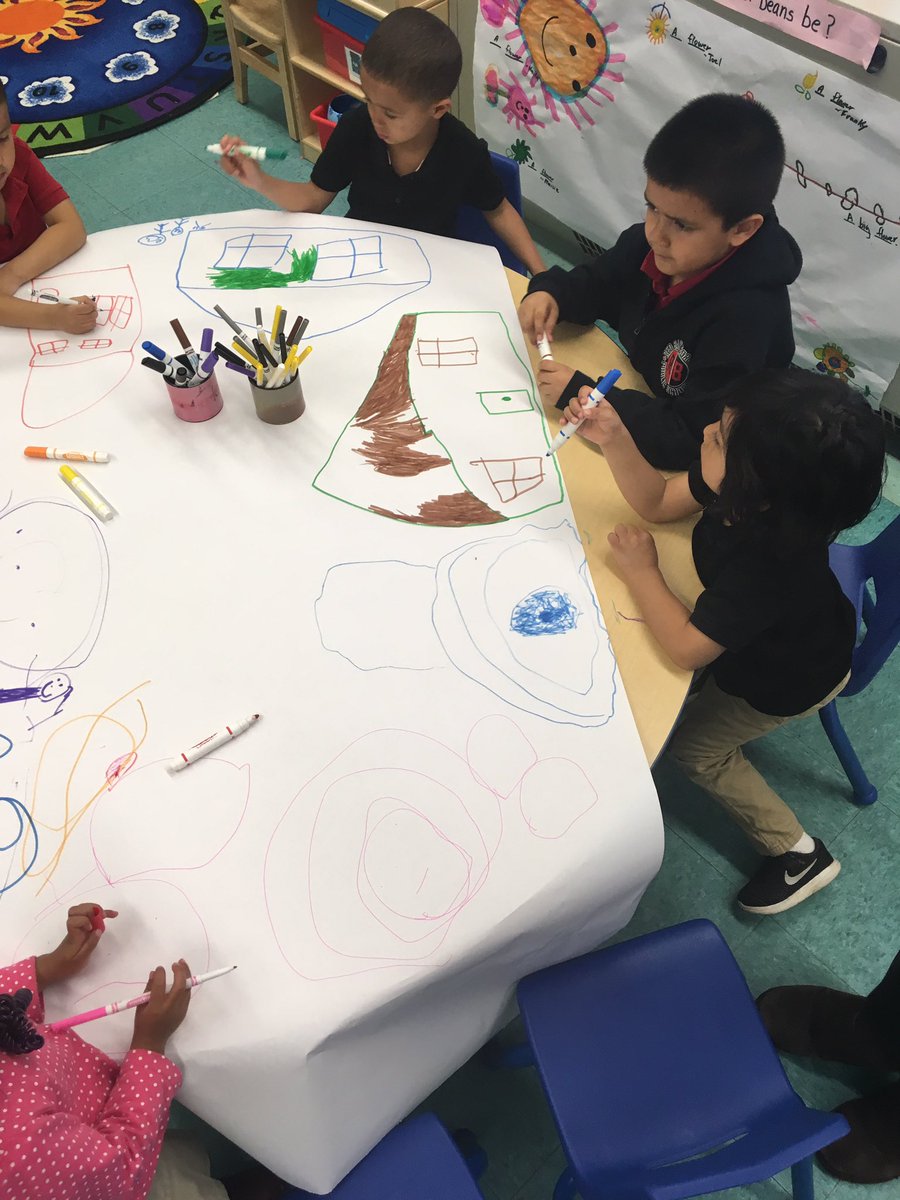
(568, 47)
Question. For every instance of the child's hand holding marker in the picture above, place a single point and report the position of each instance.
(538, 314)
(239, 166)
(84, 928)
(77, 314)
(598, 423)
(589, 400)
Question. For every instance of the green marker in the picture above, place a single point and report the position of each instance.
(255, 152)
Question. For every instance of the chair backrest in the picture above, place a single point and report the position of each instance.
(855, 566)
(415, 1161)
(471, 225)
(653, 1050)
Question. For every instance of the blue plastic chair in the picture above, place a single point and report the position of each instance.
(415, 1161)
(855, 566)
(662, 1079)
(471, 225)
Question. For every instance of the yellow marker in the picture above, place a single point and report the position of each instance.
(292, 354)
(275, 321)
(260, 376)
(88, 495)
(300, 359)
(254, 362)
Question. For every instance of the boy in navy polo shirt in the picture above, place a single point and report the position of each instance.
(699, 291)
(407, 160)
(39, 227)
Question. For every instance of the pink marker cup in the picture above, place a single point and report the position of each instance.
(199, 402)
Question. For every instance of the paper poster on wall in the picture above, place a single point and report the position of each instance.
(575, 89)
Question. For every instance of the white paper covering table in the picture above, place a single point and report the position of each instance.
(446, 789)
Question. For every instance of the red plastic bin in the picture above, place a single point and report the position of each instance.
(342, 52)
(324, 127)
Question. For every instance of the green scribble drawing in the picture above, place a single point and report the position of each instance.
(301, 270)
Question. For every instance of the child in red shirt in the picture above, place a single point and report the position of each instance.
(39, 227)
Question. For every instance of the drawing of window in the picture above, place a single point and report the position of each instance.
(349, 258)
(55, 347)
(512, 477)
(115, 310)
(254, 250)
(499, 404)
(447, 352)
(95, 343)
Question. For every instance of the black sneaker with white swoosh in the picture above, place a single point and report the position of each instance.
(788, 879)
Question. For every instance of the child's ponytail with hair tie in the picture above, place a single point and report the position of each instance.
(17, 1034)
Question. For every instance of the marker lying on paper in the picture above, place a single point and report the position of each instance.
(256, 152)
(213, 742)
(88, 495)
(604, 385)
(95, 456)
(543, 347)
(122, 1005)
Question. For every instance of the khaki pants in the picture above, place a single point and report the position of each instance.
(707, 746)
(183, 1171)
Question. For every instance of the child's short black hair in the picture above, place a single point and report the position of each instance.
(416, 53)
(728, 150)
(804, 457)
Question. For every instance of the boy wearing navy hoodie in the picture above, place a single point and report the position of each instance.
(698, 292)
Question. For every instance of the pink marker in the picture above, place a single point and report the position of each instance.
(97, 921)
(136, 1002)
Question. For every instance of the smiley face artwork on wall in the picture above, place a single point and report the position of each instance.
(558, 47)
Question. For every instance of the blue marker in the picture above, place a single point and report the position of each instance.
(604, 385)
(160, 354)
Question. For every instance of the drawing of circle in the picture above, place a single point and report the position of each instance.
(151, 239)
(54, 580)
(555, 794)
(5, 745)
(15, 819)
(500, 773)
(430, 876)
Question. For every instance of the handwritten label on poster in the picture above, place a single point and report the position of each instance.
(840, 31)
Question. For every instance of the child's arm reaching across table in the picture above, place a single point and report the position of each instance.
(657, 499)
(77, 1124)
(291, 196)
(508, 225)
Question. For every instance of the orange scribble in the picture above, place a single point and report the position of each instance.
(73, 814)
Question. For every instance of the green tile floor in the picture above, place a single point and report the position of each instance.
(843, 937)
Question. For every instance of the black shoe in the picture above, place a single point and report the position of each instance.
(788, 879)
(870, 1152)
(819, 1022)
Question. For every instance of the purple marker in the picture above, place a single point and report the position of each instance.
(207, 369)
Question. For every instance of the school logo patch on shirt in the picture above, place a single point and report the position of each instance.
(674, 368)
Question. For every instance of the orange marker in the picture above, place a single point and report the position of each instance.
(95, 456)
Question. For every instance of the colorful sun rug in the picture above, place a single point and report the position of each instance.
(79, 73)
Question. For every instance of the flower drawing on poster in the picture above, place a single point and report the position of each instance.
(564, 53)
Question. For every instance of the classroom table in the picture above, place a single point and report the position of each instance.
(655, 686)
(438, 799)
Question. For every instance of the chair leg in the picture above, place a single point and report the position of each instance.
(864, 792)
(240, 81)
(565, 1187)
(802, 1179)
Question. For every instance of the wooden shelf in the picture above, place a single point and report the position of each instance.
(311, 147)
(313, 66)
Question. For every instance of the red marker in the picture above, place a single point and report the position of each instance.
(97, 921)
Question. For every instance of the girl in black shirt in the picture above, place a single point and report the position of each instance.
(794, 459)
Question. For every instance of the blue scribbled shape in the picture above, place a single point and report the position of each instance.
(546, 611)
(22, 825)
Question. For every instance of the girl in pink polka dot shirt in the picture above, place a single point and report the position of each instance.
(74, 1125)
